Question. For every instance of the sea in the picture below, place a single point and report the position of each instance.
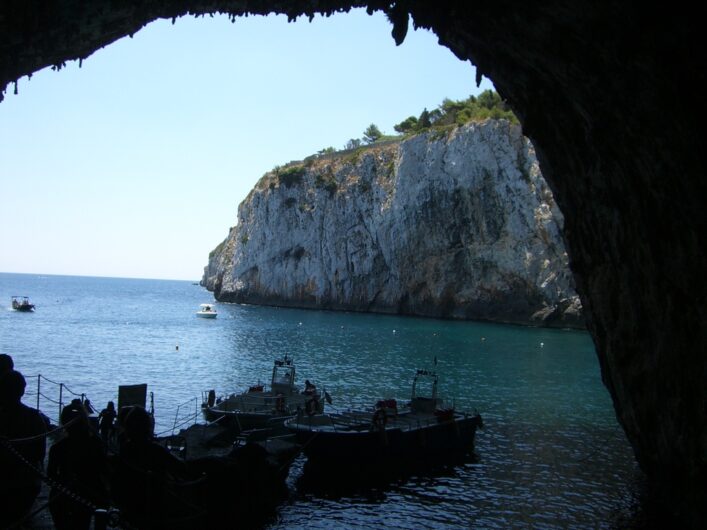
(551, 453)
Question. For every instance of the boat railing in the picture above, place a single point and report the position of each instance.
(247, 403)
(259, 402)
(187, 413)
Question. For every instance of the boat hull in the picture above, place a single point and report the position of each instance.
(206, 315)
(256, 410)
(390, 445)
(245, 421)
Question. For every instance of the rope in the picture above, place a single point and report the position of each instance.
(49, 380)
(64, 490)
(73, 393)
(33, 438)
(50, 481)
(50, 399)
(39, 436)
(162, 433)
(216, 420)
(299, 452)
(188, 419)
(115, 518)
(54, 383)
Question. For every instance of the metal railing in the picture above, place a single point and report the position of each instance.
(183, 417)
(52, 393)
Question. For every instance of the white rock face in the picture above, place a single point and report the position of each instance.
(459, 226)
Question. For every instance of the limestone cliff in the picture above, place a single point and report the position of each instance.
(458, 225)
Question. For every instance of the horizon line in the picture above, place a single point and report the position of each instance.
(99, 276)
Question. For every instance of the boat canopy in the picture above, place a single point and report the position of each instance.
(283, 376)
(428, 401)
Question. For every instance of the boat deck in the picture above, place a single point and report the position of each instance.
(358, 421)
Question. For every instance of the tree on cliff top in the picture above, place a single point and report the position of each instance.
(371, 134)
(486, 105)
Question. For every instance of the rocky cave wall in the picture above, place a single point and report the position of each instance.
(612, 97)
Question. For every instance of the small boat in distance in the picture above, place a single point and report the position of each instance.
(206, 311)
(22, 303)
(260, 407)
(386, 436)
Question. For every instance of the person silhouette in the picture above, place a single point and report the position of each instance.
(88, 406)
(143, 470)
(77, 464)
(22, 450)
(309, 388)
(6, 364)
(105, 422)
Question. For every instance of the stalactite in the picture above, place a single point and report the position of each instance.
(399, 17)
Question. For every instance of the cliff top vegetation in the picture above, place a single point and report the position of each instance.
(447, 116)
(486, 105)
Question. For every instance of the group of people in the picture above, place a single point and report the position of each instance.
(82, 476)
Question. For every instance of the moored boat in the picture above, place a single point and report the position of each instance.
(206, 311)
(22, 303)
(424, 428)
(260, 407)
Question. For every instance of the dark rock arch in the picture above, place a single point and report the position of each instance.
(612, 97)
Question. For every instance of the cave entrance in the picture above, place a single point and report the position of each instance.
(183, 118)
(630, 179)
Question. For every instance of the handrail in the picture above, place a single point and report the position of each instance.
(42, 395)
(179, 421)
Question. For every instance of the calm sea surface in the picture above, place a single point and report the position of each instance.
(551, 454)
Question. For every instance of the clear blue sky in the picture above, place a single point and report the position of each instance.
(134, 164)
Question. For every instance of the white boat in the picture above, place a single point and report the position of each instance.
(260, 407)
(207, 311)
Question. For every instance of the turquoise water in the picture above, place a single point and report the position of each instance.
(551, 454)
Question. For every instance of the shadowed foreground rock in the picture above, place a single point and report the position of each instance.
(612, 97)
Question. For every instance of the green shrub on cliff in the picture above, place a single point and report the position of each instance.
(291, 176)
(486, 105)
(327, 182)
